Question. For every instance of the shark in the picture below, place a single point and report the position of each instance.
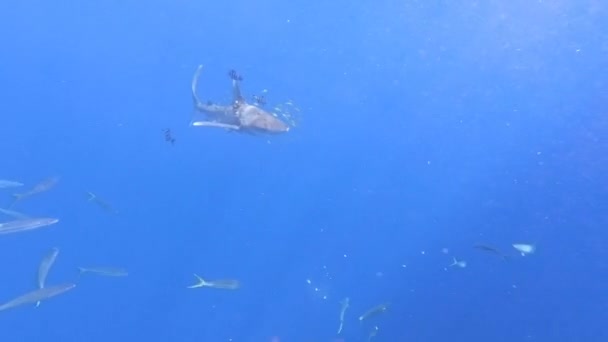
(240, 116)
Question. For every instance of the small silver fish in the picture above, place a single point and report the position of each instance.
(9, 184)
(101, 203)
(45, 266)
(23, 225)
(374, 311)
(490, 249)
(345, 303)
(37, 295)
(104, 271)
(14, 214)
(43, 186)
(226, 284)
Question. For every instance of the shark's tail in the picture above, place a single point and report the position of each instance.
(197, 74)
(195, 99)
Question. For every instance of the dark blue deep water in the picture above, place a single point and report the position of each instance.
(425, 128)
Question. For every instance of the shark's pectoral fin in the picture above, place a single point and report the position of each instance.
(214, 124)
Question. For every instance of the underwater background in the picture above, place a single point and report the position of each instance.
(423, 129)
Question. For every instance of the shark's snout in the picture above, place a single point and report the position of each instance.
(271, 124)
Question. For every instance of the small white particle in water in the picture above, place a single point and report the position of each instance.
(423, 252)
(346, 256)
(404, 265)
(308, 281)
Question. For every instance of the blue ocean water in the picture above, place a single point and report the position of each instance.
(425, 128)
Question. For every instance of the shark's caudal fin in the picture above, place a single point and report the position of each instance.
(91, 196)
(195, 99)
(197, 74)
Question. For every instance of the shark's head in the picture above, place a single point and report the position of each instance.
(270, 124)
(256, 119)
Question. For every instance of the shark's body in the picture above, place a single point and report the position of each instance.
(240, 116)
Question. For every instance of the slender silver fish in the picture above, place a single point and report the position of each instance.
(9, 184)
(38, 295)
(45, 266)
(226, 284)
(490, 249)
(23, 225)
(101, 203)
(345, 304)
(374, 311)
(12, 213)
(43, 186)
(105, 271)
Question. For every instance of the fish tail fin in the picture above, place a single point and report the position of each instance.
(201, 282)
(454, 262)
(91, 196)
